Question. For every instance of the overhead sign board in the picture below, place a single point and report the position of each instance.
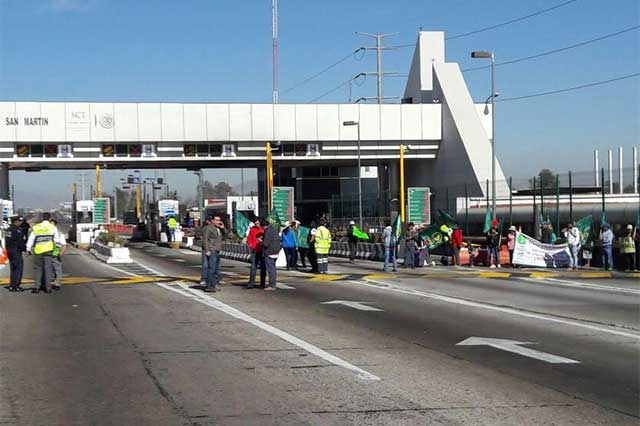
(282, 200)
(168, 207)
(419, 210)
(101, 211)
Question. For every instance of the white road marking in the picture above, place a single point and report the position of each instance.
(579, 284)
(283, 286)
(512, 311)
(361, 306)
(231, 311)
(514, 346)
(180, 260)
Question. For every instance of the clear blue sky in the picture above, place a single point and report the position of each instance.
(218, 51)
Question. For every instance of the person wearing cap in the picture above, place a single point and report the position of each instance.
(15, 243)
(353, 241)
(289, 245)
(511, 244)
(573, 237)
(628, 249)
(606, 238)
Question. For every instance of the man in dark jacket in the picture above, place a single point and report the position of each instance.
(493, 243)
(353, 242)
(271, 249)
(212, 239)
(16, 245)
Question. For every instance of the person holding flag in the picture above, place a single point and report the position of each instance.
(493, 243)
(254, 240)
(354, 235)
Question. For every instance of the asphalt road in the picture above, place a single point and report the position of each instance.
(150, 350)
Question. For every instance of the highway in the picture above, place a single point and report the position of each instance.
(437, 346)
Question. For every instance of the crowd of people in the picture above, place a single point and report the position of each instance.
(45, 243)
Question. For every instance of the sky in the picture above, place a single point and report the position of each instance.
(218, 51)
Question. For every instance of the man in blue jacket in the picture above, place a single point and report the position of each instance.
(289, 245)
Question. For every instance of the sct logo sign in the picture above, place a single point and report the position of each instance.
(105, 120)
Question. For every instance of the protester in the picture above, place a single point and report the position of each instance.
(41, 244)
(271, 248)
(15, 244)
(456, 245)
(628, 249)
(311, 241)
(473, 252)
(422, 246)
(572, 235)
(493, 243)
(353, 241)
(289, 246)
(302, 238)
(323, 246)
(56, 257)
(511, 244)
(409, 246)
(446, 233)
(254, 240)
(390, 243)
(546, 233)
(212, 241)
(606, 238)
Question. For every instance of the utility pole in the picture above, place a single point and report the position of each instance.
(274, 29)
(379, 73)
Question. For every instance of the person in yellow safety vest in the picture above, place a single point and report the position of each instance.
(41, 244)
(173, 225)
(323, 245)
(446, 243)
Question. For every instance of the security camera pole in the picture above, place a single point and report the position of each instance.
(491, 55)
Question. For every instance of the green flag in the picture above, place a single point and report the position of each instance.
(585, 226)
(444, 218)
(487, 221)
(242, 223)
(433, 236)
(301, 237)
(273, 217)
(397, 227)
(358, 233)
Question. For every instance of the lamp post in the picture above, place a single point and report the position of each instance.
(491, 55)
(357, 123)
(403, 148)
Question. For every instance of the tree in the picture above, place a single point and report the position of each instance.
(545, 179)
(220, 190)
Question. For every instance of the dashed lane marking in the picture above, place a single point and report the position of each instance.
(494, 274)
(328, 277)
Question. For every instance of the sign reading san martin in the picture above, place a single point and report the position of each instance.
(26, 121)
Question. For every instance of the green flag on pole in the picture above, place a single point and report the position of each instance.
(487, 221)
(585, 226)
(444, 218)
(397, 227)
(301, 237)
(242, 224)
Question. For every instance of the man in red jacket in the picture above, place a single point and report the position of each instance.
(456, 244)
(254, 240)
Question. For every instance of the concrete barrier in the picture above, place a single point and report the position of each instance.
(108, 254)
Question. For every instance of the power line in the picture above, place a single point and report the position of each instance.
(341, 85)
(551, 52)
(324, 70)
(502, 24)
(569, 89)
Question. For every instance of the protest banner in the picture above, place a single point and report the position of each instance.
(531, 252)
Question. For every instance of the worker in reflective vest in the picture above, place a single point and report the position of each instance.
(323, 245)
(41, 245)
(173, 225)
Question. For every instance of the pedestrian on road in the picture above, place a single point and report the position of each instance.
(410, 246)
(636, 240)
(606, 238)
(302, 238)
(56, 257)
(41, 245)
(352, 238)
(572, 234)
(311, 242)
(16, 245)
(323, 246)
(212, 241)
(511, 244)
(204, 271)
(493, 243)
(271, 249)
(456, 245)
(628, 249)
(172, 224)
(390, 242)
(289, 246)
(254, 240)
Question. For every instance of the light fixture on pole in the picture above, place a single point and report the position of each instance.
(493, 96)
(357, 123)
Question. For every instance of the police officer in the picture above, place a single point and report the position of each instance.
(41, 244)
(15, 244)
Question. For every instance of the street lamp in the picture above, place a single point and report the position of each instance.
(494, 94)
(403, 148)
(357, 123)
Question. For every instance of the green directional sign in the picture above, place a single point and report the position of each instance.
(282, 198)
(101, 211)
(419, 210)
